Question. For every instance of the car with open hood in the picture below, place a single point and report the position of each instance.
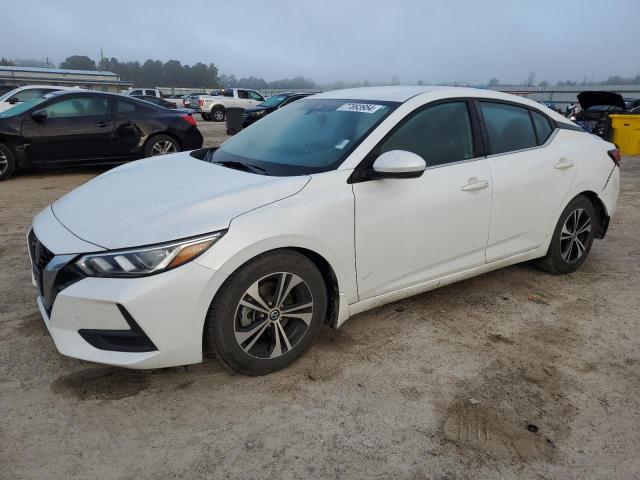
(595, 110)
(339, 203)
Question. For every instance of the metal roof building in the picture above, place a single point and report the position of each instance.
(92, 80)
(565, 95)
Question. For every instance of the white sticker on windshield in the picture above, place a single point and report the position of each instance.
(342, 144)
(360, 107)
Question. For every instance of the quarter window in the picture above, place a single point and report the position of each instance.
(543, 127)
(78, 107)
(439, 134)
(509, 127)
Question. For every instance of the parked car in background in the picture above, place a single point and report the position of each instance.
(213, 107)
(82, 127)
(7, 88)
(152, 92)
(336, 204)
(163, 102)
(24, 94)
(190, 100)
(595, 109)
(271, 104)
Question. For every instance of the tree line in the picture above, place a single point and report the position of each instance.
(171, 73)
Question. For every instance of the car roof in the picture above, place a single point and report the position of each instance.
(402, 94)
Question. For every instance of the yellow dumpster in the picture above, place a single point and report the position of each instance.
(626, 133)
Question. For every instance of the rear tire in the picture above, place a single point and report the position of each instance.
(7, 162)
(161, 145)
(572, 237)
(256, 336)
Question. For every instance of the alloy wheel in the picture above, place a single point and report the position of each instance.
(163, 147)
(273, 315)
(218, 115)
(4, 163)
(575, 235)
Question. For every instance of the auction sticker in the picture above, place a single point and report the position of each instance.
(360, 107)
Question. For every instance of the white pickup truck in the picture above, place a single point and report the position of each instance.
(214, 106)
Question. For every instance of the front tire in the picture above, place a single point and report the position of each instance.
(218, 115)
(572, 238)
(161, 145)
(7, 162)
(267, 314)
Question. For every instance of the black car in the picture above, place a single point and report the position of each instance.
(161, 102)
(596, 107)
(80, 127)
(271, 104)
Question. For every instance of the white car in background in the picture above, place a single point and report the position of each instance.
(339, 203)
(23, 94)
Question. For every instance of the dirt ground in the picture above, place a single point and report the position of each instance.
(514, 374)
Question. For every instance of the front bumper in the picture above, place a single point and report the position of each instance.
(147, 322)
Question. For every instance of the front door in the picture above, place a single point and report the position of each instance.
(76, 128)
(410, 231)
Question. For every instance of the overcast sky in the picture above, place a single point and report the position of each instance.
(351, 40)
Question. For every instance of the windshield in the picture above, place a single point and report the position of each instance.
(273, 101)
(309, 136)
(21, 107)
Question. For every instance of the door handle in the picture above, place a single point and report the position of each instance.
(475, 184)
(563, 164)
(101, 124)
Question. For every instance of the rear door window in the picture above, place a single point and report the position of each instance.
(243, 94)
(509, 127)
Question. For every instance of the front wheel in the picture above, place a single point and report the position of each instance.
(7, 163)
(267, 314)
(218, 115)
(572, 238)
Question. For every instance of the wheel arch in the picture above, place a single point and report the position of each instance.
(601, 211)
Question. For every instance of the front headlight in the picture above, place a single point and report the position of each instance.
(137, 262)
(257, 114)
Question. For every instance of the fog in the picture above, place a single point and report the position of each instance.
(433, 41)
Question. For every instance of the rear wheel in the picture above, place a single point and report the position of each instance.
(267, 314)
(7, 162)
(572, 238)
(218, 115)
(161, 145)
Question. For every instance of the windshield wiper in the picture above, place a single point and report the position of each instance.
(247, 167)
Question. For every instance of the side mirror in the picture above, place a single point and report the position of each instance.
(398, 164)
(39, 114)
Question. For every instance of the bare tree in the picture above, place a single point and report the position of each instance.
(531, 80)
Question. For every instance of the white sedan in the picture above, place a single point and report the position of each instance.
(337, 204)
(24, 94)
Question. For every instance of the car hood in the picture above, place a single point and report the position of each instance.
(166, 198)
(589, 99)
(255, 109)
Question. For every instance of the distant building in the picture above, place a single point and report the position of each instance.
(92, 80)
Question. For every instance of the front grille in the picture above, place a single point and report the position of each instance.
(40, 255)
(51, 276)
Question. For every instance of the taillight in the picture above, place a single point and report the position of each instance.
(189, 119)
(615, 156)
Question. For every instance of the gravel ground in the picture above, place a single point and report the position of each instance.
(514, 374)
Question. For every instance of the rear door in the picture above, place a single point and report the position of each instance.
(76, 128)
(532, 172)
